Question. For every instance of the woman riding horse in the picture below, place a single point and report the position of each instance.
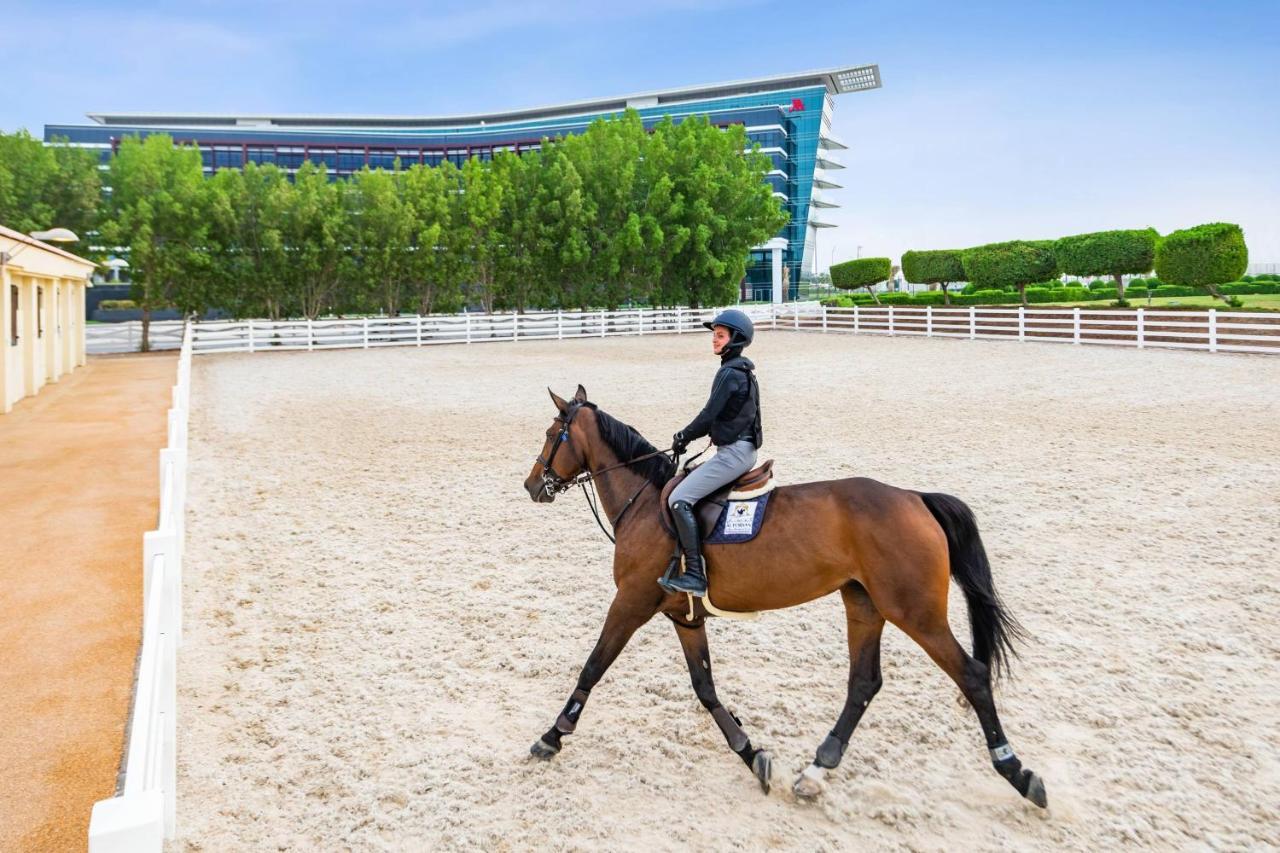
(732, 418)
(890, 553)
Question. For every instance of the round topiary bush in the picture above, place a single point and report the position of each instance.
(1016, 264)
(861, 272)
(1113, 253)
(1204, 256)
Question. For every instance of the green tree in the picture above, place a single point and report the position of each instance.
(381, 228)
(1113, 253)
(936, 266)
(721, 207)
(251, 260)
(314, 229)
(558, 231)
(49, 186)
(1015, 264)
(1204, 256)
(158, 211)
(862, 272)
(433, 201)
(482, 197)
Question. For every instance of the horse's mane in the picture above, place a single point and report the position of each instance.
(627, 444)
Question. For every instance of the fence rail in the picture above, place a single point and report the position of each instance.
(141, 815)
(1215, 331)
(366, 333)
(103, 338)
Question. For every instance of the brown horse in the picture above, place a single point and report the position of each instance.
(889, 552)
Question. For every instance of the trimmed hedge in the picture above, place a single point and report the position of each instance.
(117, 305)
(1113, 253)
(936, 266)
(1016, 263)
(861, 272)
(1204, 256)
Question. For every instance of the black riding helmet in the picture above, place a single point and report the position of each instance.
(739, 325)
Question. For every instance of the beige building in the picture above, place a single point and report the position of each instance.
(42, 311)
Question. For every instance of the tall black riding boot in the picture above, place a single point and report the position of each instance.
(694, 579)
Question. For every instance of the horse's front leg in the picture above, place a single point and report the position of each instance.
(630, 609)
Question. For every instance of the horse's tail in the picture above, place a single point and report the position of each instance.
(994, 630)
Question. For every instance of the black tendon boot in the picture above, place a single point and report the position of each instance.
(694, 579)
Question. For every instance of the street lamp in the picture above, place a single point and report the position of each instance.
(53, 235)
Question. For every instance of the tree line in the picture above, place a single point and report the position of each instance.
(1204, 257)
(615, 215)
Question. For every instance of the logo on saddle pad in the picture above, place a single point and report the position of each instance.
(740, 521)
(739, 517)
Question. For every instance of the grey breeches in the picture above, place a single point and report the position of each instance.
(729, 463)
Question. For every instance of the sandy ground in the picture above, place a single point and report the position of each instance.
(380, 622)
(79, 484)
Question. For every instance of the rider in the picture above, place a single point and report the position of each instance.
(732, 418)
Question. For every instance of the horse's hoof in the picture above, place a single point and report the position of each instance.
(808, 785)
(806, 788)
(542, 749)
(1035, 792)
(762, 767)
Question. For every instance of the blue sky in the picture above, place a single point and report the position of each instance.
(996, 121)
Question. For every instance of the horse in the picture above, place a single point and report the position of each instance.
(889, 552)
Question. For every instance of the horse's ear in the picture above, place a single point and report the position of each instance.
(559, 401)
(581, 396)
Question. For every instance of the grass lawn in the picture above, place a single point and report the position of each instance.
(1261, 300)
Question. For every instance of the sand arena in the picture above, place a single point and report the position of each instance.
(380, 622)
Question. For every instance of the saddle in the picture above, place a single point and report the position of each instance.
(753, 484)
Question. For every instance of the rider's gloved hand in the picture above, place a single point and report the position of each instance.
(679, 443)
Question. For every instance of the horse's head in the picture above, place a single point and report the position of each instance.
(562, 453)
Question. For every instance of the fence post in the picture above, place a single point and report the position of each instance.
(1075, 325)
(973, 322)
(559, 324)
(419, 330)
(311, 337)
(641, 321)
(251, 349)
(1022, 323)
(797, 319)
(1141, 329)
(891, 321)
(823, 309)
(515, 326)
(1213, 330)
(773, 311)
(856, 327)
(466, 319)
(928, 321)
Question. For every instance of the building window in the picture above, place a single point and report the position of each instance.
(13, 315)
(39, 312)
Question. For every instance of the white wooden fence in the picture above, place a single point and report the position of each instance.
(1215, 331)
(141, 816)
(284, 335)
(102, 338)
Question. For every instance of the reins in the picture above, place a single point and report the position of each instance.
(554, 484)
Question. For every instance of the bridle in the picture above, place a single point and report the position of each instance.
(554, 484)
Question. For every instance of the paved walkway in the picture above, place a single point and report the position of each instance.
(78, 487)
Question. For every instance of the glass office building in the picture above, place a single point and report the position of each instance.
(789, 116)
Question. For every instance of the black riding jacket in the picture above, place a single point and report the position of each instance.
(732, 412)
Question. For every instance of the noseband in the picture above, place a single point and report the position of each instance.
(553, 484)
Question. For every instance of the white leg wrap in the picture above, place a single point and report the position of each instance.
(815, 773)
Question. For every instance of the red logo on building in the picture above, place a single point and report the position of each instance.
(796, 105)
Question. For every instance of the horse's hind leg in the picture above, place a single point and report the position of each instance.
(865, 624)
(693, 640)
(974, 680)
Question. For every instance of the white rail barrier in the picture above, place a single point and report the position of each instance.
(102, 338)
(141, 816)
(1215, 331)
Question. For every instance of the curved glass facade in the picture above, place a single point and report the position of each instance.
(785, 116)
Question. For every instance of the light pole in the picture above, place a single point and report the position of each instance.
(859, 253)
